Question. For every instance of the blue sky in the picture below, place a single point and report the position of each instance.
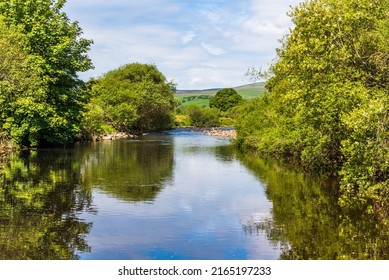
(197, 44)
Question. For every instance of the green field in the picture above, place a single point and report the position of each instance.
(195, 101)
(201, 97)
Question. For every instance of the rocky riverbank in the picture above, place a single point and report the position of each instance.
(223, 132)
(115, 136)
(229, 133)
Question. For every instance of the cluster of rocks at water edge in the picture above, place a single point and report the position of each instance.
(224, 132)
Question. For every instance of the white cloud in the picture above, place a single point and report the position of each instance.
(197, 44)
(211, 15)
(188, 37)
(212, 49)
(263, 27)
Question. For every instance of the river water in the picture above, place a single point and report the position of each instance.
(172, 195)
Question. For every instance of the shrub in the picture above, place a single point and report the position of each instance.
(203, 116)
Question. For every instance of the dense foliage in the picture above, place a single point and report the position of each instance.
(328, 99)
(134, 97)
(226, 99)
(40, 89)
(202, 116)
(20, 86)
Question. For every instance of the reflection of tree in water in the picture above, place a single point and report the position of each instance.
(225, 153)
(307, 221)
(43, 193)
(132, 170)
(256, 225)
(40, 198)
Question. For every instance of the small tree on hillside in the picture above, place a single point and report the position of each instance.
(225, 99)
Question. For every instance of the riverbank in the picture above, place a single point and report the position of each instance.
(116, 136)
(225, 132)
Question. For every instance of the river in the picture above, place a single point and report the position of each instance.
(173, 195)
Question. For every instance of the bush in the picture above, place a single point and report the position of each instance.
(182, 120)
(202, 116)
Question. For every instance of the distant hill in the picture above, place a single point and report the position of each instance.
(201, 97)
(260, 85)
(251, 90)
(242, 88)
(197, 91)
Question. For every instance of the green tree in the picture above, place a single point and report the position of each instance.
(225, 99)
(22, 92)
(56, 49)
(327, 105)
(136, 97)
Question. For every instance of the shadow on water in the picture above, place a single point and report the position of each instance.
(306, 220)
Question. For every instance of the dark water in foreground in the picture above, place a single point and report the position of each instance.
(176, 195)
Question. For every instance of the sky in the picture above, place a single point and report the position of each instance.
(196, 44)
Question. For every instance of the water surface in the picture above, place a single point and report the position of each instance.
(173, 195)
(182, 195)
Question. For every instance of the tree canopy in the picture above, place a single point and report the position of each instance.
(134, 97)
(54, 52)
(225, 99)
(327, 104)
(21, 88)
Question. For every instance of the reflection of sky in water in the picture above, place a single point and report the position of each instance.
(198, 215)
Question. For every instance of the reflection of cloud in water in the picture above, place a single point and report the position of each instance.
(197, 215)
(191, 219)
